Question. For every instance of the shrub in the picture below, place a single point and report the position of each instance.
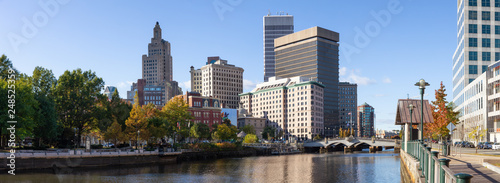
(250, 138)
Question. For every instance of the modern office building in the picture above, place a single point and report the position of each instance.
(204, 110)
(157, 64)
(292, 105)
(313, 53)
(274, 26)
(478, 43)
(366, 121)
(220, 80)
(348, 101)
(108, 91)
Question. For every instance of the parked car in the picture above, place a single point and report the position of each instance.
(487, 145)
(480, 145)
(495, 146)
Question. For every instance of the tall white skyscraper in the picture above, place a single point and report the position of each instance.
(478, 45)
(274, 26)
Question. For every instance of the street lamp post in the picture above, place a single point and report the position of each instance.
(411, 120)
(422, 84)
(137, 143)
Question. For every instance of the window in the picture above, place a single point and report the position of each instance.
(471, 80)
(497, 29)
(497, 3)
(486, 42)
(472, 2)
(472, 69)
(485, 15)
(497, 43)
(486, 56)
(485, 3)
(472, 28)
(472, 15)
(486, 29)
(497, 55)
(497, 16)
(472, 42)
(485, 67)
(472, 55)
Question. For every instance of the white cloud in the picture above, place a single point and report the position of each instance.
(186, 85)
(387, 80)
(248, 85)
(354, 76)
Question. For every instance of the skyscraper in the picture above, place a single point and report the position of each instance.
(274, 26)
(313, 53)
(366, 120)
(220, 80)
(348, 101)
(157, 64)
(478, 43)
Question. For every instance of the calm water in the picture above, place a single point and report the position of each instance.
(333, 167)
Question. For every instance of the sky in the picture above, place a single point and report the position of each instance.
(386, 46)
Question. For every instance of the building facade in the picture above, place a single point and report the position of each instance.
(204, 110)
(366, 121)
(220, 80)
(244, 118)
(274, 26)
(108, 91)
(313, 53)
(478, 43)
(292, 105)
(348, 101)
(157, 64)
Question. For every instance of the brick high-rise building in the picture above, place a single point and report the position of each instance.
(366, 121)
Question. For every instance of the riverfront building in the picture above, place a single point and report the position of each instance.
(478, 44)
(313, 54)
(157, 85)
(274, 26)
(348, 101)
(205, 110)
(292, 105)
(366, 120)
(245, 118)
(481, 107)
(220, 80)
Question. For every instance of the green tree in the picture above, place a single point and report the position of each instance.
(178, 117)
(43, 83)
(199, 131)
(114, 133)
(227, 122)
(248, 129)
(5, 66)
(75, 96)
(268, 133)
(225, 132)
(250, 138)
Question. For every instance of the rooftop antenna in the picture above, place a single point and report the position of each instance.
(268, 12)
(407, 96)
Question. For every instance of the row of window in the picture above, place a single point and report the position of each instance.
(485, 15)
(486, 56)
(484, 3)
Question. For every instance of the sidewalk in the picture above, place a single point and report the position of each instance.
(473, 165)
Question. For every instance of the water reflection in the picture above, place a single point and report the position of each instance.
(333, 167)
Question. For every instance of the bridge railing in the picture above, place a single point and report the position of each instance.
(434, 169)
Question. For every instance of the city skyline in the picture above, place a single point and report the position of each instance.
(68, 37)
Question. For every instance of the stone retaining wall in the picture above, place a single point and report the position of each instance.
(409, 168)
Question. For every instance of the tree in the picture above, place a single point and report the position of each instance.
(75, 96)
(137, 123)
(114, 133)
(250, 138)
(199, 131)
(248, 129)
(443, 114)
(268, 132)
(341, 132)
(227, 122)
(317, 137)
(477, 134)
(43, 83)
(5, 66)
(178, 117)
(225, 132)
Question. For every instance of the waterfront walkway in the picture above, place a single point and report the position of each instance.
(463, 162)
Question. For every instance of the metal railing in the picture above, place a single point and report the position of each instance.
(432, 169)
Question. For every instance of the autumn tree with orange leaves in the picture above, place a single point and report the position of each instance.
(443, 114)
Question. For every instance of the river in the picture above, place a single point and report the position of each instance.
(331, 167)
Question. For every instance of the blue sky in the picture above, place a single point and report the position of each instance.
(386, 45)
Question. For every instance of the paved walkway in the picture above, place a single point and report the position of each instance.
(473, 165)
